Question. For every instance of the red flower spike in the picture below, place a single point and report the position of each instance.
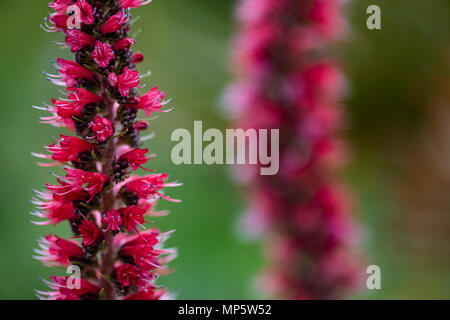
(300, 210)
(99, 90)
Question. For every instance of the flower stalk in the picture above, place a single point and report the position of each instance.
(105, 204)
(286, 80)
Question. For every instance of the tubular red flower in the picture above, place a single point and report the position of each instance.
(80, 97)
(123, 44)
(133, 3)
(51, 209)
(127, 80)
(61, 290)
(59, 21)
(283, 84)
(152, 101)
(128, 274)
(143, 250)
(148, 293)
(67, 149)
(60, 6)
(135, 158)
(137, 58)
(102, 54)
(56, 251)
(149, 186)
(102, 127)
(141, 125)
(112, 220)
(132, 216)
(77, 39)
(112, 79)
(63, 114)
(89, 232)
(114, 23)
(70, 73)
(78, 184)
(116, 260)
(86, 12)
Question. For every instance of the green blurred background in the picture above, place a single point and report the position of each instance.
(395, 74)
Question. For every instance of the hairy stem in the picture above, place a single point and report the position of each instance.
(107, 258)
